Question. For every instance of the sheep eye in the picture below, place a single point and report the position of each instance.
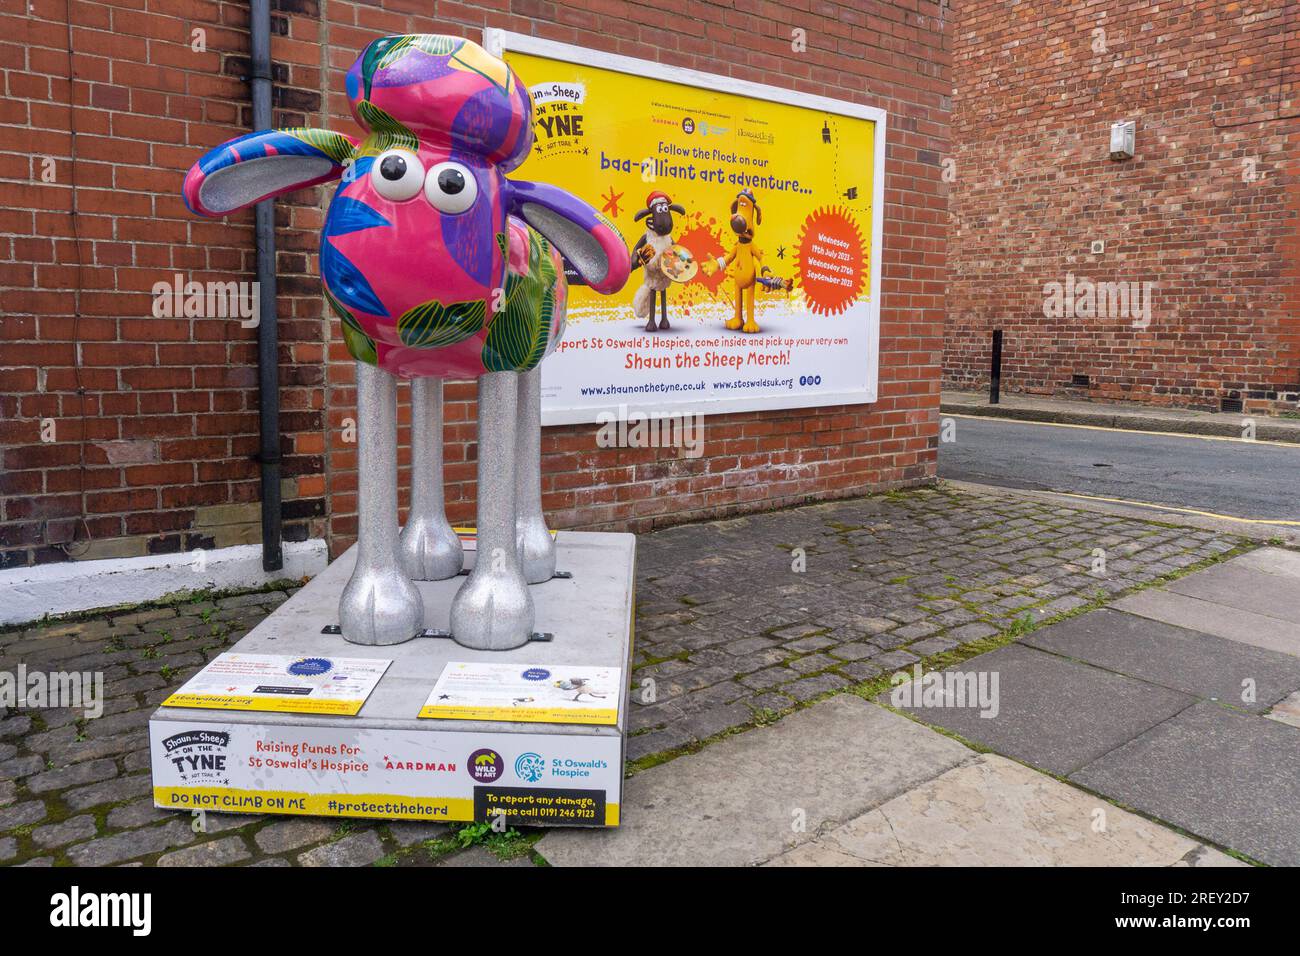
(450, 188)
(397, 175)
(393, 168)
(451, 181)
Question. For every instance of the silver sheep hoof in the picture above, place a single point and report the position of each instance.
(380, 607)
(493, 610)
(536, 550)
(429, 550)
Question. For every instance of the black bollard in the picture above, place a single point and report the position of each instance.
(995, 376)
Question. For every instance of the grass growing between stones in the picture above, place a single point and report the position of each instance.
(875, 686)
(505, 845)
(1012, 620)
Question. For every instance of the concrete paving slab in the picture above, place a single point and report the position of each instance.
(1243, 676)
(1230, 778)
(1287, 711)
(1053, 713)
(737, 802)
(996, 812)
(1210, 618)
(1271, 561)
(1246, 588)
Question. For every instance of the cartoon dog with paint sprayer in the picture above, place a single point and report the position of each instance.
(745, 260)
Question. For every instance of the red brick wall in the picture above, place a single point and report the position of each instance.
(1208, 210)
(170, 418)
(167, 407)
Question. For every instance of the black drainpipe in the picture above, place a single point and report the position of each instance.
(268, 339)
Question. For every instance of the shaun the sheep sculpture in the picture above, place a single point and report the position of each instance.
(439, 267)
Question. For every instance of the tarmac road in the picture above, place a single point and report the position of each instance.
(1253, 480)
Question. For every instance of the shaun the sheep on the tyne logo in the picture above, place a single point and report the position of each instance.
(438, 267)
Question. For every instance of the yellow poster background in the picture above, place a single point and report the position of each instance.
(631, 135)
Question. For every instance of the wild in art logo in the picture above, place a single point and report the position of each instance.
(485, 765)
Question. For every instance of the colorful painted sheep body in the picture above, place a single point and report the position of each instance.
(421, 261)
(438, 266)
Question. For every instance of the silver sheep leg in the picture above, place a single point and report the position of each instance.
(493, 610)
(536, 546)
(380, 605)
(429, 549)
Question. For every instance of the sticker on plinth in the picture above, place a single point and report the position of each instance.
(386, 774)
(529, 693)
(469, 538)
(282, 684)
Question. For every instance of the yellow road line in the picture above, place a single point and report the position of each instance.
(1294, 446)
(1189, 511)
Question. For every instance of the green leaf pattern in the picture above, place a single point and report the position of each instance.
(360, 346)
(518, 336)
(386, 132)
(334, 145)
(433, 325)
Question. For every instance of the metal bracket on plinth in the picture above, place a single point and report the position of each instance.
(557, 574)
(538, 637)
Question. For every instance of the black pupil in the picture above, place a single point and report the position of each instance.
(451, 181)
(393, 167)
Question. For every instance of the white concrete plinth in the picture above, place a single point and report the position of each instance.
(389, 763)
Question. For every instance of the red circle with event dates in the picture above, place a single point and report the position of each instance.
(831, 258)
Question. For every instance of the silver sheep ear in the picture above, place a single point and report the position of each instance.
(258, 166)
(587, 241)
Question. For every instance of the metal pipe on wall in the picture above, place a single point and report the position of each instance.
(268, 339)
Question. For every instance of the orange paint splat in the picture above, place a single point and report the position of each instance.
(704, 245)
(830, 256)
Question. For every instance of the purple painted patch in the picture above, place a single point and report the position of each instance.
(415, 66)
(481, 124)
(463, 234)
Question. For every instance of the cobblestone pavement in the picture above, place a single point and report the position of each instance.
(737, 622)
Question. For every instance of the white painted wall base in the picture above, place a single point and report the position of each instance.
(28, 594)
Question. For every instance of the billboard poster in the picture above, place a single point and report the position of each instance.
(754, 216)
